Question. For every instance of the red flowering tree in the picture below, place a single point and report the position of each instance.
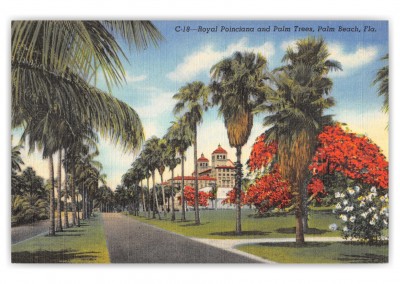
(339, 152)
(271, 190)
(231, 198)
(189, 196)
(355, 156)
(261, 154)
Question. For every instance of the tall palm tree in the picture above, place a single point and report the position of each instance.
(172, 162)
(382, 80)
(151, 151)
(44, 50)
(54, 63)
(297, 97)
(193, 99)
(180, 136)
(162, 156)
(140, 171)
(237, 88)
(59, 226)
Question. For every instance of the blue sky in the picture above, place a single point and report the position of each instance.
(155, 74)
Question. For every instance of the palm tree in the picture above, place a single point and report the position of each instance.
(59, 226)
(151, 151)
(54, 63)
(193, 99)
(140, 174)
(296, 99)
(161, 154)
(180, 136)
(46, 50)
(382, 80)
(237, 88)
(172, 162)
(16, 160)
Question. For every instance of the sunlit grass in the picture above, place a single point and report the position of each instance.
(220, 224)
(85, 244)
(321, 252)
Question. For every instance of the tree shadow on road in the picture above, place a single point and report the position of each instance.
(61, 256)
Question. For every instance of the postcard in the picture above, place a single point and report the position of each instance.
(199, 141)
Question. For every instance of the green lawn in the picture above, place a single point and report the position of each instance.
(220, 224)
(321, 252)
(85, 244)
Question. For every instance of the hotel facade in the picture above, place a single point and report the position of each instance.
(220, 173)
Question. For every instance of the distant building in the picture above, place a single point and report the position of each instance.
(221, 173)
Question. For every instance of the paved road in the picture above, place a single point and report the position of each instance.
(24, 232)
(131, 241)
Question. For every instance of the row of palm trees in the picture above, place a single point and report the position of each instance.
(54, 70)
(293, 98)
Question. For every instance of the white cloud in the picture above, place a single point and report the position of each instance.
(288, 43)
(203, 59)
(131, 78)
(159, 103)
(115, 161)
(352, 60)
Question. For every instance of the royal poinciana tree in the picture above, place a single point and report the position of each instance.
(190, 192)
(342, 158)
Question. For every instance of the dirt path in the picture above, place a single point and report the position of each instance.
(130, 241)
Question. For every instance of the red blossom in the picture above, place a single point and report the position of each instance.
(189, 197)
(355, 156)
(271, 190)
(316, 188)
(231, 197)
(261, 154)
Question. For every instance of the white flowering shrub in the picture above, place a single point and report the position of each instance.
(364, 214)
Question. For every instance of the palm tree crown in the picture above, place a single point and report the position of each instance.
(237, 88)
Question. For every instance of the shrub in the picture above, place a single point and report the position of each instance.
(365, 214)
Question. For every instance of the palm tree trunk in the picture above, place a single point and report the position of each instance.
(59, 217)
(238, 187)
(84, 203)
(77, 206)
(196, 181)
(299, 216)
(163, 195)
(172, 196)
(52, 230)
(158, 211)
(183, 218)
(305, 205)
(143, 198)
(66, 225)
(87, 204)
(73, 199)
(155, 200)
(148, 205)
